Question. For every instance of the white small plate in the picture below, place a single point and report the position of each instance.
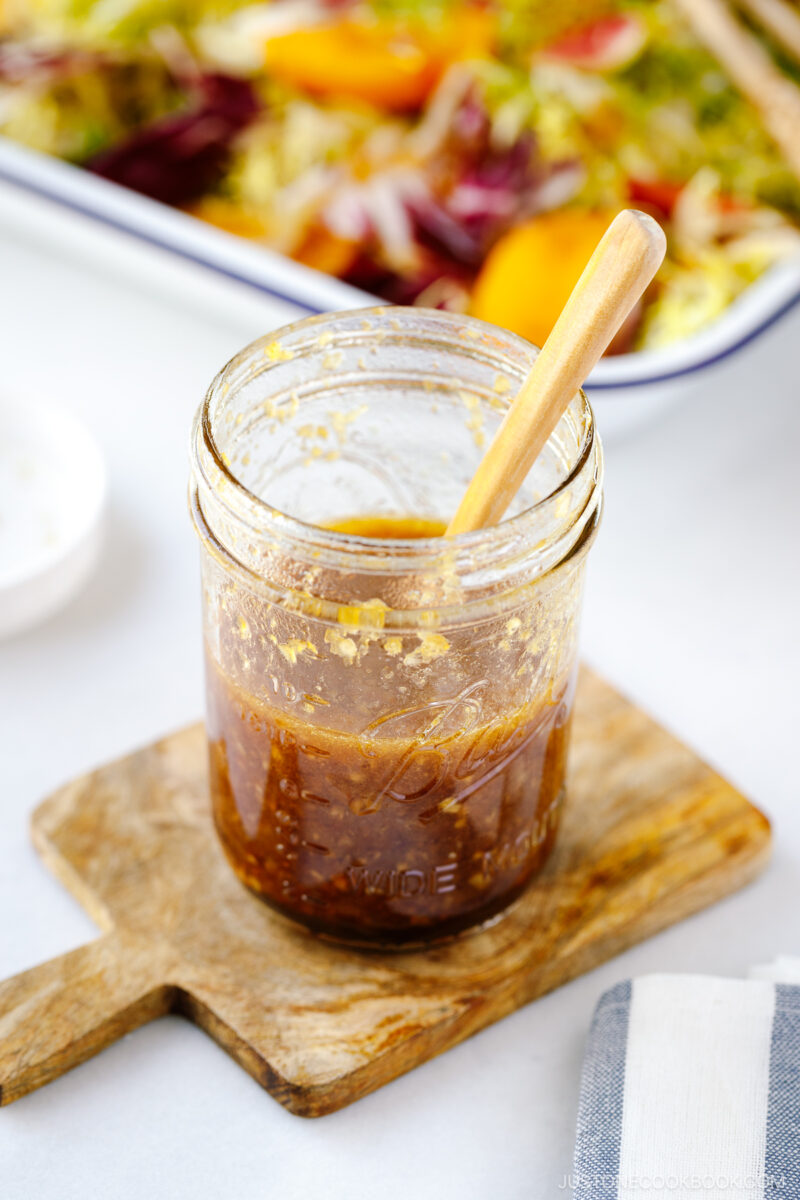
(52, 504)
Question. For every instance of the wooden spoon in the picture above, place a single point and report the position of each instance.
(774, 96)
(780, 19)
(625, 261)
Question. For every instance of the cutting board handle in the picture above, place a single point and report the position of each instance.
(57, 1015)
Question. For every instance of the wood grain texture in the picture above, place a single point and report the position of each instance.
(650, 835)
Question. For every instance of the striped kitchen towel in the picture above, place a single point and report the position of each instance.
(691, 1090)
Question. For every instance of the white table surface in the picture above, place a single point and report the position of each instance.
(692, 608)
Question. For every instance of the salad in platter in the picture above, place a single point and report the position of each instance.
(464, 154)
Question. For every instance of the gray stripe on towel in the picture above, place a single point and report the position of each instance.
(599, 1135)
(782, 1162)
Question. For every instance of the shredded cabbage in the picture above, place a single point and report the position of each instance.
(172, 97)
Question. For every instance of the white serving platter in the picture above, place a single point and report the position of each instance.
(627, 391)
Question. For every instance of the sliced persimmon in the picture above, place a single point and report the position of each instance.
(391, 66)
(227, 215)
(529, 274)
(326, 252)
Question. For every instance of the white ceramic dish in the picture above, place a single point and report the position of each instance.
(52, 504)
(627, 391)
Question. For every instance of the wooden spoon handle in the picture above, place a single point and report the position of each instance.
(779, 18)
(625, 261)
(772, 93)
(57, 1015)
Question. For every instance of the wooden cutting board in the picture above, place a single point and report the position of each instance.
(650, 835)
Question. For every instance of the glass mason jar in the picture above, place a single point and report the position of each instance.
(387, 718)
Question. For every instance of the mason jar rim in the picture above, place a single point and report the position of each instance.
(393, 323)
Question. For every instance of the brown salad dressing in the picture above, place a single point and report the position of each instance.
(380, 835)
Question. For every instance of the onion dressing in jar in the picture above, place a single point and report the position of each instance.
(388, 710)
